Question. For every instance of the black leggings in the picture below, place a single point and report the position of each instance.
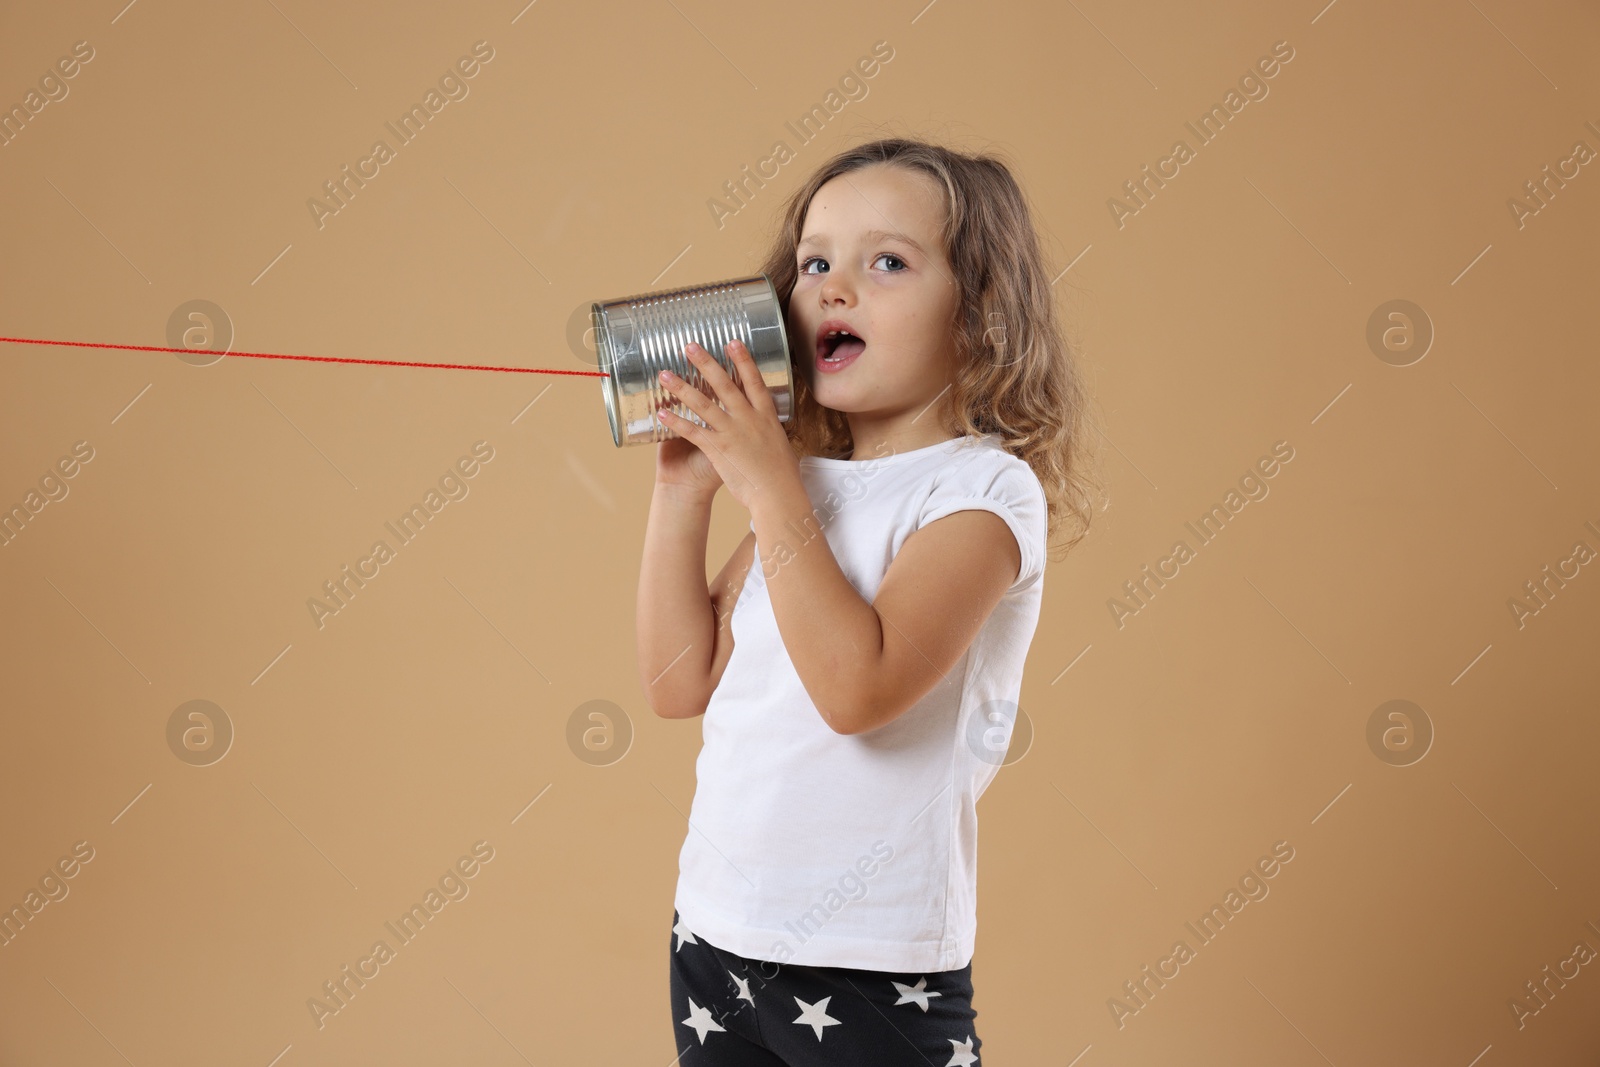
(732, 1010)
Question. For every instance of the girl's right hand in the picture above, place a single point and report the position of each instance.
(681, 464)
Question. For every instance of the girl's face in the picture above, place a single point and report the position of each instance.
(872, 261)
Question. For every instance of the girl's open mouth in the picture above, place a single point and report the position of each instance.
(837, 346)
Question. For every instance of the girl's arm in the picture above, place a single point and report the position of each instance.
(863, 664)
(681, 631)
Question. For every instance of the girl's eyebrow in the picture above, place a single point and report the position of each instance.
(871, 235)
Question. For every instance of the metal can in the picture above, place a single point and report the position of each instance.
(637, 337)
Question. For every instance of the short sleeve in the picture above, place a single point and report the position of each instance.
(1005, 485)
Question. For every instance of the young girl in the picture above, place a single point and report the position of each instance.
(859, 658)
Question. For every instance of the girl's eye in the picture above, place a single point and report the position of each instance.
(884, 255)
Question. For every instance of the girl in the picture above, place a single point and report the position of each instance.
(859, 658)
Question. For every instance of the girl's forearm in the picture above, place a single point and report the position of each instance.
(675, 625)
(834, 637)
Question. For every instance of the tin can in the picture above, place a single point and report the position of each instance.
(637, 337)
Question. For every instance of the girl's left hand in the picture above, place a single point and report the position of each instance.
(743, 438)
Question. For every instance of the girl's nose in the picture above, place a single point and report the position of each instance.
(838, 287)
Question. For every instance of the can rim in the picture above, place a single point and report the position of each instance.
(783, 329)
(606, 362)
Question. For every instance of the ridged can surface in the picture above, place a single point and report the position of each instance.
(637, 337)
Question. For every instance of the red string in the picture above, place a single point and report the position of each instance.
(318, 359)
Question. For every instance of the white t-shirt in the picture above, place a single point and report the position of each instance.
(816, 848)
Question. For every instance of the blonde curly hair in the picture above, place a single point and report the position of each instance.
(1017, 376)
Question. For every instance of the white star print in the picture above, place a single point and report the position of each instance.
(961, 1053)
(918, 993)
(815, 1015)
(700, 1020)
(683, 935)
(744, 987)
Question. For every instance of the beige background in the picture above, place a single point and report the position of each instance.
(1229, 714)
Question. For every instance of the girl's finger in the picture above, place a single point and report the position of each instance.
(685, 428)
(692, 398)
(755, 386)
(712, 372)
